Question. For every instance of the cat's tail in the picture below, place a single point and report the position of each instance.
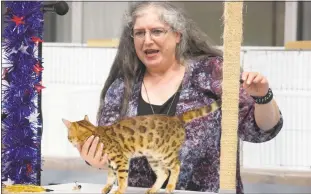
(200, 112)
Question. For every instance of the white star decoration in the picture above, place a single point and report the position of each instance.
(13, 51)
(23, 49)
(8, 182)
(5, 84)
(33, 117)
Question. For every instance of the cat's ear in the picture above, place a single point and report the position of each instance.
(86, 118)
(67, 123)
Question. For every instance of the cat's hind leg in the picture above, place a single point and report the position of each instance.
(173, 164)
(122, 174)
(112, 176)
(160, 172)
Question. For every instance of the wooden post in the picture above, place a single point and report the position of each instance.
(233, 20)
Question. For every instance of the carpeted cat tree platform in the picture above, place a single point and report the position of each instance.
(25, 170)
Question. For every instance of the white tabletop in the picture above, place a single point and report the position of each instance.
(96, 188)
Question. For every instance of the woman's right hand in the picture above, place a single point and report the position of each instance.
(96, 158)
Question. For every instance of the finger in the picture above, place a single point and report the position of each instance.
(258, 79)
(104, 159)
(93, 147)
(86, 145)
(250, 78)
(246, 86)
(79, 147)
(99, 153)
(264, 81)
(244, 76)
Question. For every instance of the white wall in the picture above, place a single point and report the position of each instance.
(288, 75)
(74, 75)
(67, 101)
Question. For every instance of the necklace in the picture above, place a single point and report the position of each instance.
(151, 105)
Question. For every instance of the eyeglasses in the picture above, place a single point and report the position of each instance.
(154, 33)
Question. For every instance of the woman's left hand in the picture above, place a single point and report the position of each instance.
(255, 84)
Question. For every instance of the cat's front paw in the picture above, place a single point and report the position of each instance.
(170, 189)
(118, 192)
(151, 191)
(106, 189)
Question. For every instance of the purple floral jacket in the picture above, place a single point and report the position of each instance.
(200, 155)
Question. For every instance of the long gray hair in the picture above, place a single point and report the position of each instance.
(194, 43)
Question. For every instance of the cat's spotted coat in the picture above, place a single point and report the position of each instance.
(157, 137)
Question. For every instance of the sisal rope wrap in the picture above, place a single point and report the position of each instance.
(19, 188)
(233, 30)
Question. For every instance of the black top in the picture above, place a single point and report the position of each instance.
(144, 108)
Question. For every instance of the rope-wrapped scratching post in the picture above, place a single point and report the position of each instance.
(233, 30)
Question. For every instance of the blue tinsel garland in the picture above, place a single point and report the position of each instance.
(21, 87)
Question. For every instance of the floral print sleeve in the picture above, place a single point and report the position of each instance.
(212, 82)
(111, 110)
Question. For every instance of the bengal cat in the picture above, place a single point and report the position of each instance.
(157, 137)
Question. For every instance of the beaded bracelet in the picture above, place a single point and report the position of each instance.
(264, 99)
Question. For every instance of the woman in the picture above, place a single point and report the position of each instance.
(164, 65)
